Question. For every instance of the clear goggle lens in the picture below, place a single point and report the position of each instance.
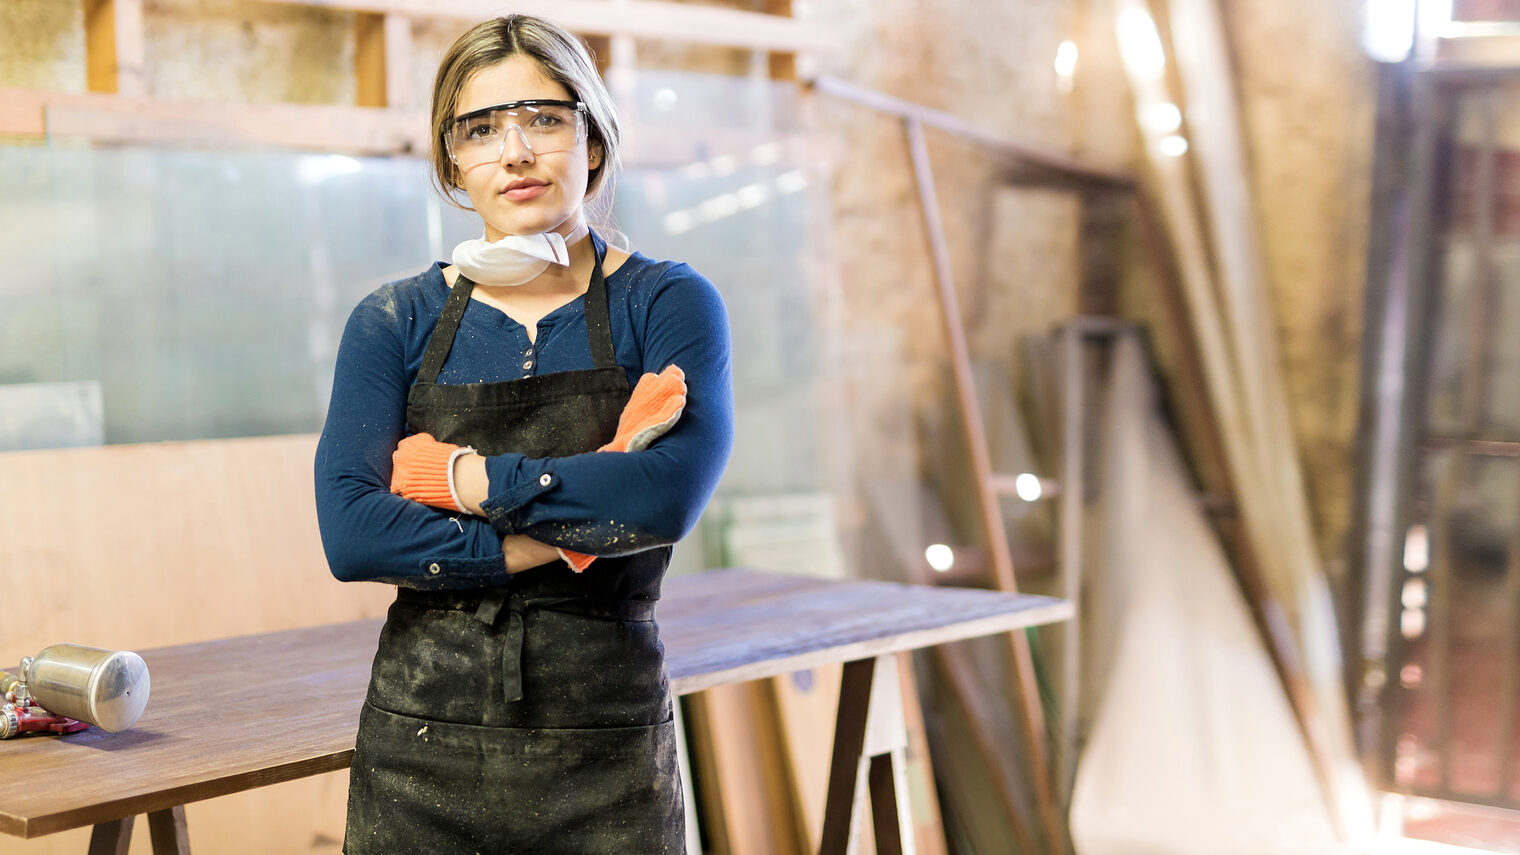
(543, 126)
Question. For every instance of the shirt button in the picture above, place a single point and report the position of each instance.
(544, 480)
(527, 364)
(434, 569)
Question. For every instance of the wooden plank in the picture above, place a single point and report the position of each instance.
(113, 31)
(1032, 714)
(601, 53)
(976, 704)
(200, 734)
(1283, 534)
(164, 560)
(929, 824)
(201, 737)
(382, 60)
(118, 118)
(335, 129)
(806, 704)
(205, 734)
(1055, 162)
(648, 19)
(1485, 10)
(783, 64)
(1496, 51)
(739, 751)
(1075, 416)
(816, 622)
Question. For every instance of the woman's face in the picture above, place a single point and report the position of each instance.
(524, 193)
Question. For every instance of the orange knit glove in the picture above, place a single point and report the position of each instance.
(421, 471)
(578, 561)
(652, 410)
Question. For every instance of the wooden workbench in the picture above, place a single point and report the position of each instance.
(239, 713)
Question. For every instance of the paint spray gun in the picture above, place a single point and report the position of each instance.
(68, 687)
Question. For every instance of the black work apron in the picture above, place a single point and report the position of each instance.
(535, 717)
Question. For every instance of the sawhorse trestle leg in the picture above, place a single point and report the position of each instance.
(870, 753)
(166, 827)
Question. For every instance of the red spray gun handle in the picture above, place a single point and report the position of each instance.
(20, 714)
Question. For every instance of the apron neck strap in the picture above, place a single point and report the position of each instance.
(598, 322)
(598, 319)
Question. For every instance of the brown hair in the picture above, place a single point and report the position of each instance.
(563, 58)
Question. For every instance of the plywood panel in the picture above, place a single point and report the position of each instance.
(744, 804)
(139, 546)
(145, 545)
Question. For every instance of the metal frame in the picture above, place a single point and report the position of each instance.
(1023, 162)
(1403, 309)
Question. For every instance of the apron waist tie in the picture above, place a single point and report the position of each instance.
(515, 605)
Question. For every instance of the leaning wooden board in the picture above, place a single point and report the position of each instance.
(246, 712)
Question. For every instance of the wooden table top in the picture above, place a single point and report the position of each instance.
(239, 713)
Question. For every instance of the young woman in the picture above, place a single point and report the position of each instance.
(482, 454)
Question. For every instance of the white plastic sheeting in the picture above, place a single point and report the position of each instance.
(1194, 749)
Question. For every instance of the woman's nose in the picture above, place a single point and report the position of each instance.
(514, 146)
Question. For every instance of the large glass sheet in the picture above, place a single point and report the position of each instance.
(201, 294)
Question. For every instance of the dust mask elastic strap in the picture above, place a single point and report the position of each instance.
(513, 260)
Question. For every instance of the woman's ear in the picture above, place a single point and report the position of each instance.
(594, 157)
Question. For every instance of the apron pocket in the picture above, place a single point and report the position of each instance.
(425, 785)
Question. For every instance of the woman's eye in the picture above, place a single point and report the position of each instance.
(484, 130)
(544, 120)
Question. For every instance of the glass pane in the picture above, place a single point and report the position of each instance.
(204, 293)
(168, 294)
(1470, 508)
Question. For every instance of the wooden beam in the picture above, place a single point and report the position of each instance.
(1032, 716)
(783, 64)
(1496, 51)
(1239, 361)
(114, 118)
(1214, 121)
(601, 53)
(652, 19)
(341, 130)
(1485, 10)
(113, 32)
(1048, 160)
(382, 60)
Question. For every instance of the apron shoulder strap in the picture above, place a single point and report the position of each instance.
(598, 321)
(442, 339)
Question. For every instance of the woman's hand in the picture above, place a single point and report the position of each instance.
(524, 553)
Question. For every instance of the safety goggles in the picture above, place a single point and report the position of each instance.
(544, 126)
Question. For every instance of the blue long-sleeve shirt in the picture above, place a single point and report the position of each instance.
(661, 313)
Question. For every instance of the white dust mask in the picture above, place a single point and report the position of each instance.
(512, 260)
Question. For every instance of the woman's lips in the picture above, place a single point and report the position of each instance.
(526, 192)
